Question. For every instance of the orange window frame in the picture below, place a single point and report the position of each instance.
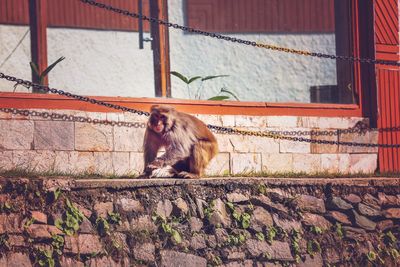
(364, 84)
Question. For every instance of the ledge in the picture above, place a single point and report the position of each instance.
(51, 101)
(50, 183)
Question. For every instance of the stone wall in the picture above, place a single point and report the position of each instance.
(45, 145)
(208, 222)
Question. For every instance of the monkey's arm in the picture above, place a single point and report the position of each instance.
(151, 145)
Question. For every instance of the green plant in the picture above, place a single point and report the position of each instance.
(316, 230)
(236, 240)
(189, 80)
(174, 234)
(216, 261)
(29, 222)
(313, 247)
(208, 211)
(6, 207)
(103, 227)
(114, 218)
(260, 236)
(241, 218)
(57, 243)
(271, 234)
(4, 241)
(295, 237)
(45, 258)
(42, 75)
(339, 230)
(73, 218)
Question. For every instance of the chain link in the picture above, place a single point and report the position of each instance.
(72, 118)
(284, 135)
(237, 40)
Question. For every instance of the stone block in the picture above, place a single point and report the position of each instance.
(365, 138)
(261, 218)
(10, 223)
(136, 163)
(311, 219)
(39, 217)
(327, 122)
(276, 251)
(363, 163)
(103, 209)
(283, 121)
(128, 139)
(219, 215)
(42, 231)
(74, 162)
(54, 135)
(90, 137)
(143, 223)
(310, 203)
(120, 162)
(210, 119)
(330, 163)
(310, 163)
(6, 160)
(228, 120)
(39, 161)
(224, 143)
(251, 121)
(245, 163)
(129, 205)
(344, 163)
(103, 163)
(68, 262)
(324, 148)
(286, 146)
(17, 241)
(16, 134)
(275, 163)
(219, 165)
(18, 259)
(144, 252)
(174, 258)
(83, 244)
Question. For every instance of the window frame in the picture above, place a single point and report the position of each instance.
(361, 37)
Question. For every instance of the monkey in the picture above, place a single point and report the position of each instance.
(189, 144)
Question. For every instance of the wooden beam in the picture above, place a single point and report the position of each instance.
(38, 28)
(160, 45)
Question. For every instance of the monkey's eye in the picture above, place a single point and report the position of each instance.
(163, 117)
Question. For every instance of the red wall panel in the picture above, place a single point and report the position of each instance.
(261, 15)
(75, 14)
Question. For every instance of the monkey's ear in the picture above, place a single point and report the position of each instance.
(154, 108)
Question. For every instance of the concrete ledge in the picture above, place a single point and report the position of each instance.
(71, 183)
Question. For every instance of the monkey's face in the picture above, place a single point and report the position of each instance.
(160, 121)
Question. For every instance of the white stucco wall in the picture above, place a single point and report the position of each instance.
(110, 64)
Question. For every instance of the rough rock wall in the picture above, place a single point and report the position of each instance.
(210, 222)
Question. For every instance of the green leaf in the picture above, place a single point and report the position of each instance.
(59, 224)
(213, 77)
(223, 90)
(49, 68)
(176, 236)
(180, 76)
(219, 98)
(230, 205)
(193, 79)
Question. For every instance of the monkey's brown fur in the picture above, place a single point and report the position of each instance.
(189, 144)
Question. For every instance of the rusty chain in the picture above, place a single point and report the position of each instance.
(72, 118)
(237, 40)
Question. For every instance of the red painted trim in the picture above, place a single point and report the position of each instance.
(40, 101)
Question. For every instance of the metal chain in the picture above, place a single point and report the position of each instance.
(73, 118)
(237, 40)
(284, 135)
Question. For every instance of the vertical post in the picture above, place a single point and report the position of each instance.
(160, 44)
(38, 28)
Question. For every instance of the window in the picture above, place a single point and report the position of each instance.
(260, 75)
